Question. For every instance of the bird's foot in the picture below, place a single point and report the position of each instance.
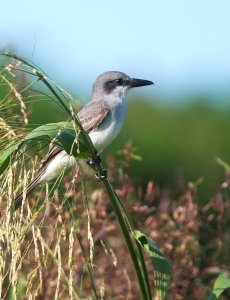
(91, 163)
(102, 176)
(96, 159)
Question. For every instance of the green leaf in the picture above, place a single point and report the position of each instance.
(62, 134)
(6, 156)
(222, 283)
(48, 130)
(162, 267)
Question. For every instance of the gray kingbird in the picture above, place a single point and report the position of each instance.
(102, 117)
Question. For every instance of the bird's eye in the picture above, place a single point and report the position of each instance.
(119, 81)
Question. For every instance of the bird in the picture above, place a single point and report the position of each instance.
(102, 118)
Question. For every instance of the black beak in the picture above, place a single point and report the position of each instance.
(139, 82)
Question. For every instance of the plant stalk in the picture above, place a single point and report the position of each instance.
(122, 218)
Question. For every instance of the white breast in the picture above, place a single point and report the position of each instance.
(62, 161)
(107, 131)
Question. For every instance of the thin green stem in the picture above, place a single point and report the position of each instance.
(139, 249)
(124, 228)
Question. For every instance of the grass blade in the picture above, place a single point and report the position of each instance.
(162, 268)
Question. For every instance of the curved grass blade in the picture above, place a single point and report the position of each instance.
(64, 99)
(162, 267)
(61, 134)
(6, 156)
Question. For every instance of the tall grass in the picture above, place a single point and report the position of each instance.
(30, 242)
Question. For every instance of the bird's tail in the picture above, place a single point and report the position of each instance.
(32, 186)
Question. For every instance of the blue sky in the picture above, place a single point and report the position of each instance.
(183, 46)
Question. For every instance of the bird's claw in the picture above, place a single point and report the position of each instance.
(102, 176)
(96, 159)
(91, 163)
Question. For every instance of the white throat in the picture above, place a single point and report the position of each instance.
(107, 131)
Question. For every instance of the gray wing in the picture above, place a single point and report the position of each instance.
(90, 117)
(93, 114)
(50, 155)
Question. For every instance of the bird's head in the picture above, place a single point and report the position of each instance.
(115, 83)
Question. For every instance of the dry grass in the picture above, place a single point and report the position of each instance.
(43, 257)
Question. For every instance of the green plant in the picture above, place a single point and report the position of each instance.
(71, 137)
